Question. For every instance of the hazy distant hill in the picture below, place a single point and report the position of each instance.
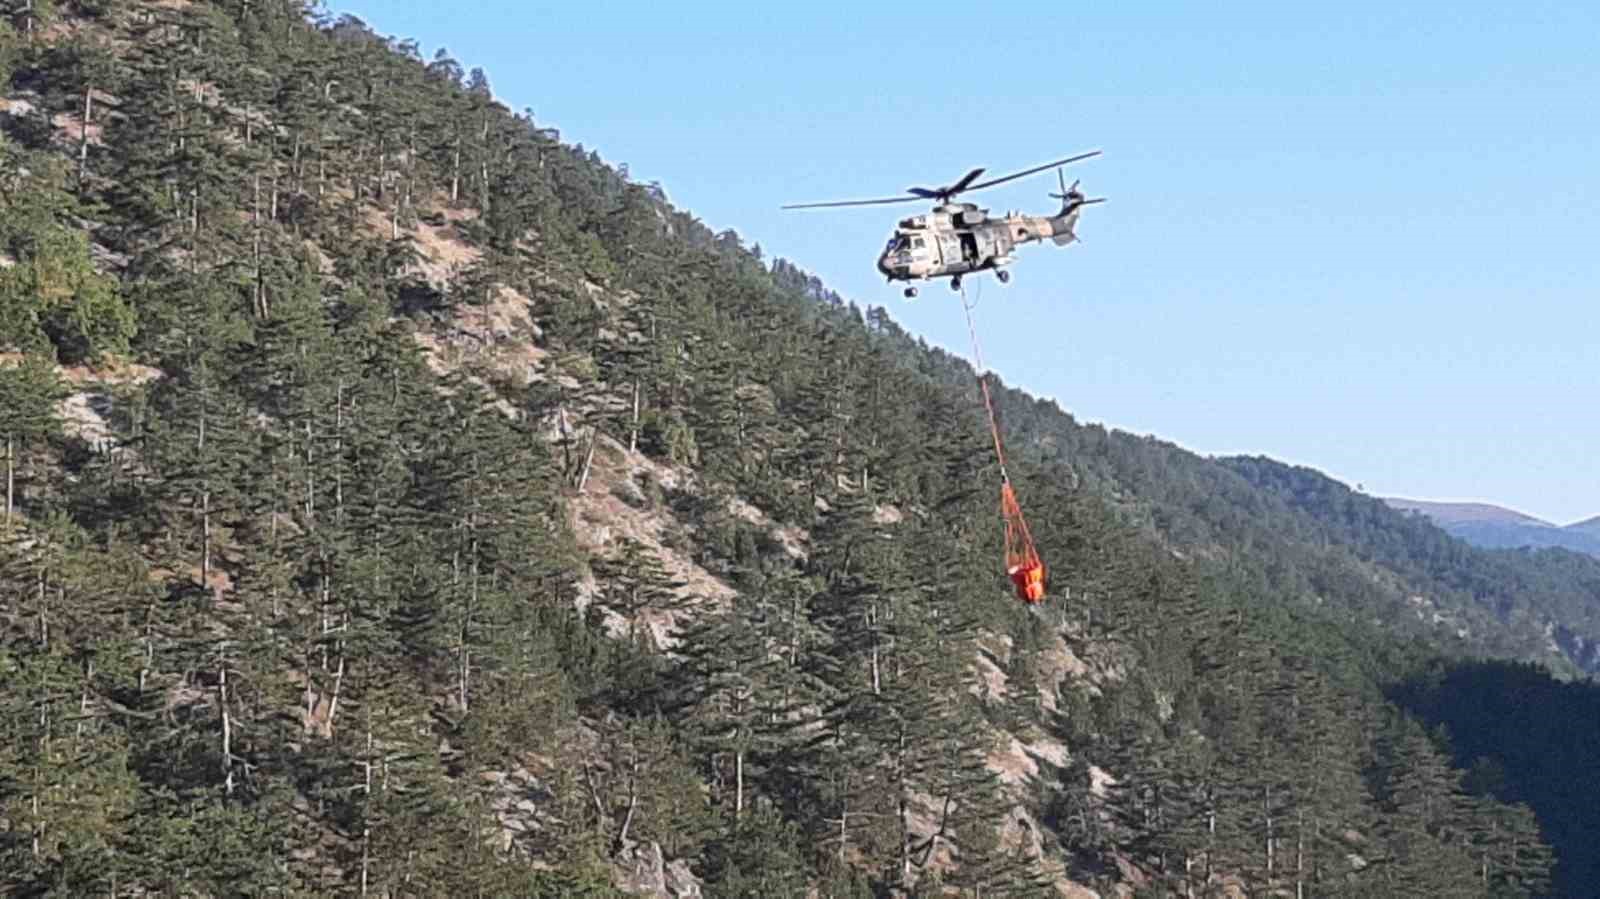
(1446, 514)
(1496, 527)
(1512, 536)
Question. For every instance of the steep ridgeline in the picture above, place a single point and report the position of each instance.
(1525, 604)
(403, 502)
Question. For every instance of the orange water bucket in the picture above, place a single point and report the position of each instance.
(1029, 581)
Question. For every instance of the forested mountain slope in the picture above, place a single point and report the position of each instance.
(1296, 534)
(1523, 737)
(1526, 604)
(403, 502)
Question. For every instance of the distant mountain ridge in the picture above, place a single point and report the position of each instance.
(1458, 513)
(1496, 527)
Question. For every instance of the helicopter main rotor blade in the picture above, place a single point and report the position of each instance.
(964, 183)
(942, 193)
(851, 203)
(1031, 171)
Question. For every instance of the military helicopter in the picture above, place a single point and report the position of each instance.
(956, 239)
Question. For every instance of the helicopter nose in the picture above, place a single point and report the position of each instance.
(883, 264)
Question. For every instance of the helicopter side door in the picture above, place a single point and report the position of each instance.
(970, 252)
(950, 251)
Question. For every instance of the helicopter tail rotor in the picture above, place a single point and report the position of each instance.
(1061, 178)
(1071, 198)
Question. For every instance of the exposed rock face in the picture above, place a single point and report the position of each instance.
(641, 869)
(681, 882)
(516, 800)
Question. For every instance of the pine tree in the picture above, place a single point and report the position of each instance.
(636, 587)
(725, 696)
(52, 300)
(1423, 828)
(759, 857)
(28, 394)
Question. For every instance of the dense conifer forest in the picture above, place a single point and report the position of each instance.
(402, 501)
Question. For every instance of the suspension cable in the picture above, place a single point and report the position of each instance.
(1022, 558)
(983, 384)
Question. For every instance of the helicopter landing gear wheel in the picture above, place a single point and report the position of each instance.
(911, 293)
(955, 283)
(1003, 276)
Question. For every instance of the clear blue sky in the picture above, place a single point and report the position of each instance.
(1354, 236)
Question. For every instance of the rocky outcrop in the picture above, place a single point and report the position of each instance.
(641, 869)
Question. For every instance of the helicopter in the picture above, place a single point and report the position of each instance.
(956, 239)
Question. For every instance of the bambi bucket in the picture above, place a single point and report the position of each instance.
(1022, 559)
(1029, 581)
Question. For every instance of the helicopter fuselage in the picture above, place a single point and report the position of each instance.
(955, 239)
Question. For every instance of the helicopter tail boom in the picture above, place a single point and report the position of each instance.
(1063, 225)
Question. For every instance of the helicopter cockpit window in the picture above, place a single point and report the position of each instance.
(917, 243)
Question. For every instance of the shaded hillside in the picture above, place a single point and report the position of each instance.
(408, 503)
(1522, 735)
